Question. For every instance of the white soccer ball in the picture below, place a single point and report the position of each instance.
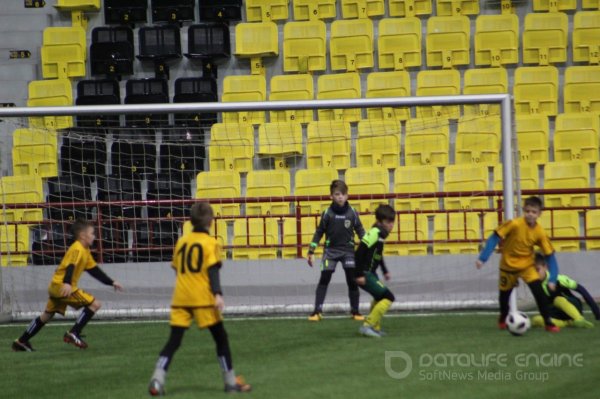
(518, 323)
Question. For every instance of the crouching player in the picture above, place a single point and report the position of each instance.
(368, 257)
(197, 296)
(565, 309)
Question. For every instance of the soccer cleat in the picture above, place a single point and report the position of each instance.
(156, 388)
(583, 323)
(18, 346)
(502, 323)
(72, 338)
(315, 317)
(357, 316)
(552, 329)
(369, 331)
(240, 385)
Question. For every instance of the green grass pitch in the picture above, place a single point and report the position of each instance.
(452, 356)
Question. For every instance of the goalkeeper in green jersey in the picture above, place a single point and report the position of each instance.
(566, 309)
(368, 258)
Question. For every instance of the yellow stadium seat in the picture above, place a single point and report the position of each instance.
(63, 52)
(314, 182)
(455, 226)
(582, 89)
(576, 137)
(74, 5)
(351, 45)
(14, 238)
(314, 9)
(592, 228)
(448, 41)
(528, 176)
(416, 180)
(268, 183)
(35, 152)
(220, 184)
(485, 81)
(266, 10)
(328, 145)
(244, 88)
(292, 88)
(49, 93)
(491, 220)
(231, 147)
(399, 43)
(409, 8)
(554, 5)
(533, 134)
(586, 37)
(408, 228)
(478, 140)
(457, 7)
(19, 190)
(255, 232)
(597, 182)
(438, 83)
(562, 224)
(497, 40)
(536, 90)
(304, 46)
(62, 36)
(467, 177)
(335, 87)
(280, 140)
(256, 40)
(378, 143)
(362, 8)
(367, 181)
(427, 142)
(308, 227)
(590, 4)
(388, 84)
(566, 174)
(545, 38)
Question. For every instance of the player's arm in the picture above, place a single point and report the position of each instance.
(321, 228)
(488, 249)
(552, 270)
(66, 288)
(214, 280)
(384, 269)
(589, 300)
(99, 275)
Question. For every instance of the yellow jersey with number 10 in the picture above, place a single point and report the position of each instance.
(194, 254)
(518, 244)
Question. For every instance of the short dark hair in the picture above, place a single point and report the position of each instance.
(540, 259)
(534, 201)
(201, 215)
(79, 226)
(385, 212)
(338, 185)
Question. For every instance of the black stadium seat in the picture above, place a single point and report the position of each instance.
(220, 10)
(117, 188)
(68, 188)
(50, 243)
(195, 90)
(127, 12)
(147, 91)
(159, 44)
(154, 234)
(133, 159)
(174, 11)
(182, 158)
(111, 51)
(83, 155)
(166, 186)
(98, 92)
(113, 237)
(209, 41)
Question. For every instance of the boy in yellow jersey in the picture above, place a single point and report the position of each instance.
(197, 296)
(565, 309)
(369, 256)
(519, 236)
(63, 289)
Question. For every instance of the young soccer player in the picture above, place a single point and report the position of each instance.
(519, 236)
(566, 309)
(63, 289)
(339, 223)
(197, 296)
(369, 256)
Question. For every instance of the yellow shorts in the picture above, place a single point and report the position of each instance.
(509, 279)
(78, 299)
(205, 316)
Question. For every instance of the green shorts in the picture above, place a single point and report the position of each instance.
(374, 286)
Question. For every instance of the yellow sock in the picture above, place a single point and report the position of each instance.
(374, 318)
(563, 304)
(538, 321)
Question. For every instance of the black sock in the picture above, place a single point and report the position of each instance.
(322, 290)
(353, 293)
(167, 353)
(85, 316)
(222, 342)
(34, 327)
(541, 300)
(504, 306)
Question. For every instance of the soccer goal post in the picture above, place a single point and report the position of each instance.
(134, 170)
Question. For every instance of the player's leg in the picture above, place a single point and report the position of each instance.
(327, 269)
(232, 383)
(383, 300)
(506, 283)
(22, 344)
(90, 305)
(538, 321)
(535, 285)
(565, 306)
(353, 294)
